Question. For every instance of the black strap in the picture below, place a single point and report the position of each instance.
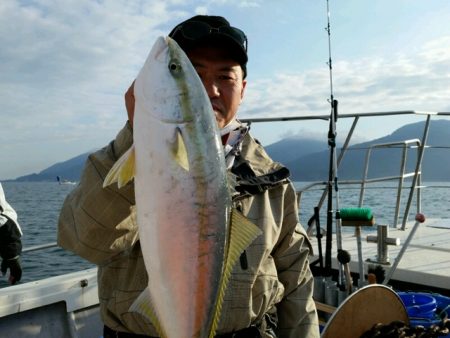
(110, 333)
(249, 183)
(249, 332)
(266, 328)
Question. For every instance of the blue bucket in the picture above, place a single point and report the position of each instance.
(426, 309)
(443, 305)
(419, 305)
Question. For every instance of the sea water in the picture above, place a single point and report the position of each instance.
(381, 198)
(38, 205)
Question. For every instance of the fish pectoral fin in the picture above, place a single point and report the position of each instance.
(242, 233)
(123, 170)
(179, 152)
(143, 305)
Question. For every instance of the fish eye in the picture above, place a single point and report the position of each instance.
(174, 66)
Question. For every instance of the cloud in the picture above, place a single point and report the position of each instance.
(201, 10)
(59, 52)
(65, 66)
(237, 3)
(401, 82)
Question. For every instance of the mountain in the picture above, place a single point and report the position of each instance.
(67, 170)
(295, 147)
(383, 161)
(308, 159)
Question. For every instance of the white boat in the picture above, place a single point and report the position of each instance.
(64, 181)
(55, 307)
(68, 306)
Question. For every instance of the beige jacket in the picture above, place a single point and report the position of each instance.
(273, 273)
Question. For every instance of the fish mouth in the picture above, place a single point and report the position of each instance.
(160, 47)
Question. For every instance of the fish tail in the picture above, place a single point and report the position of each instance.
(143, 305)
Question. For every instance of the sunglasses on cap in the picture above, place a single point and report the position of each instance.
(194, 30)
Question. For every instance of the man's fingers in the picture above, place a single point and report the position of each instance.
(12, 280)
(129, 103)
(15, 269)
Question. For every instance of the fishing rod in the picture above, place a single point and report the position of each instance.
(343, 257)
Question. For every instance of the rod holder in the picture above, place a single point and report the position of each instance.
(383, 241)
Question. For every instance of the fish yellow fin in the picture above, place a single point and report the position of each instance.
(143, 305)
(130, 220)
(242, 234)
(179, 152)
(123, 170)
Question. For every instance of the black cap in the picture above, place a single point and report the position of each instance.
(209, 30)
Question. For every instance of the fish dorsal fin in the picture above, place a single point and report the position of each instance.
(123, 170)
(179, 152)
(242, 234)
(144, 306)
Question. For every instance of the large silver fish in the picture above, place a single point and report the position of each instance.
(189, 236)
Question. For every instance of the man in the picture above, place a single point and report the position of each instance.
(270, 289)
(10, 240)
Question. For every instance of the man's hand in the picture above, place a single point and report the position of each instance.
(129, 103)
(15, 269)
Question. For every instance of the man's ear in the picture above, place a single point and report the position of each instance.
(244, 83)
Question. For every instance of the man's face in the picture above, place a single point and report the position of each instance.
(223, 81)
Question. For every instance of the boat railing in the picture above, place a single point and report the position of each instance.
(34, 249)
(404, 145)
(40, 247)
(418, 144)
(366, 181)
(347, 184)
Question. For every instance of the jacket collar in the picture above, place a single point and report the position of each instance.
(254, 170)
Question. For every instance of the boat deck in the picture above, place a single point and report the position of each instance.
(426, 260)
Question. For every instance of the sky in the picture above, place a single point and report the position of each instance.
(65, 65)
